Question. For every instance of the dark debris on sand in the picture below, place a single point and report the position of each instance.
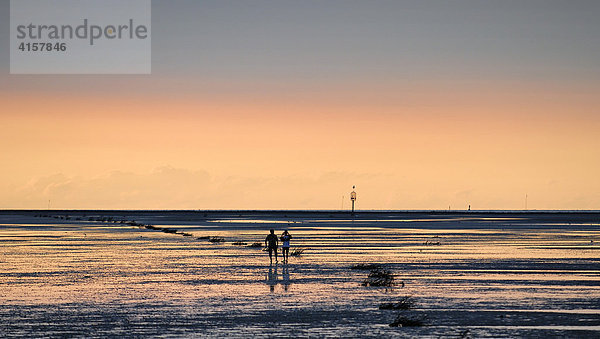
(405, 303)
(297, 252)
(379, 277)
(408, 321)
(432, 243)
(366, 266)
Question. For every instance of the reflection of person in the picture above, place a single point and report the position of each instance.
(285, 247)
(271, 243)
(272, 278)
(286, 278)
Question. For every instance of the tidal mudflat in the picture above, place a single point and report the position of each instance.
(179, 273)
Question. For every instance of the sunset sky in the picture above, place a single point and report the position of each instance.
(287, 104)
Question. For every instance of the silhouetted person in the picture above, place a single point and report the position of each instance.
(271, 242)
(285, 247)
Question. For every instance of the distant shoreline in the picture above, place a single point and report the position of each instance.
(292, 211)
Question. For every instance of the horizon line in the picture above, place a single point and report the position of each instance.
(318, 210)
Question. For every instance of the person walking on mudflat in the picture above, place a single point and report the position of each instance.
(285, 247)
(271, 242)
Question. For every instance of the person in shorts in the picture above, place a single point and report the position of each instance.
(271, 243)
(285, 247)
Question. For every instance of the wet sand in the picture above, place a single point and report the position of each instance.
(469, 274)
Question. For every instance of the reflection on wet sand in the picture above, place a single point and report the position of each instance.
(272, 277)
(286, 277)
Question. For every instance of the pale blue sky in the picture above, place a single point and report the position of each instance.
(333, 41)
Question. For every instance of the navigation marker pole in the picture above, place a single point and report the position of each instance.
(353, 198)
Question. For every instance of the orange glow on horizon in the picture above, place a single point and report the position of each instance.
(402, 151)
